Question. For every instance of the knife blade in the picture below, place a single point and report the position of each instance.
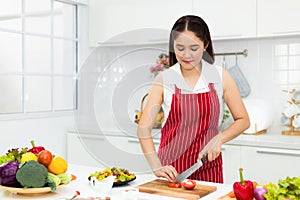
(181, 177)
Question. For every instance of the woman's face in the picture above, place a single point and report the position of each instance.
(188, 50)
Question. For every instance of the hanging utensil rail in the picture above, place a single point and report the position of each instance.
(244, 53)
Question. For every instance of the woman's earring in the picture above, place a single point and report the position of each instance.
(204, 50)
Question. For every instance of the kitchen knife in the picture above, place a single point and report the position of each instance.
(181, 177)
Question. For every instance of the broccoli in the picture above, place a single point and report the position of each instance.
(32, 175)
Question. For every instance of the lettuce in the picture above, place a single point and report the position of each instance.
(287, 188)
(6, 158)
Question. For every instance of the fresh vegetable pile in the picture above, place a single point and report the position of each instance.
(287, 189)
(33, 168)
(121, 174)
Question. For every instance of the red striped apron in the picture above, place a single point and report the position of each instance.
(192, 122)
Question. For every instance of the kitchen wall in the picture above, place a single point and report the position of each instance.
(125, 77)
(258, 68)
(267, 70)
(117, 78)
(48, 132)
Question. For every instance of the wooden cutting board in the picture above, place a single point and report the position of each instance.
(160, 187)
(226, 197)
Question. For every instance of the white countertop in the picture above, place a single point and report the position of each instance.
(272, 138)
(117, 193)
(269, 139)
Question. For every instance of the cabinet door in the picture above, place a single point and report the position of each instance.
(228, 19)
(109, 18)
(275, 17)
(269, 164)
(231, 163)
(135, 142)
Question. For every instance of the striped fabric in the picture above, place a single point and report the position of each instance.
(192, 122)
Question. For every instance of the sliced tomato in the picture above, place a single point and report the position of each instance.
(189, 184)
(174, 185)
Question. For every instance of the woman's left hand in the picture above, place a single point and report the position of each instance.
(212, 149)
(169, 172)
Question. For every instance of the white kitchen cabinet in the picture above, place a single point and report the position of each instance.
(231, 155)
(260, 164)
(275, 17)
(110, 18)
(269, 164)
(106, 151)
(228, 19)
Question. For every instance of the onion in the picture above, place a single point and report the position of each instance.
(259, 192)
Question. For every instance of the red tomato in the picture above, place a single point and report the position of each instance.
(174, 185)
(45, 157)
(189, 184)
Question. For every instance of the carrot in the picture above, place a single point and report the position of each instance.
(73, 177)
(255, 184)
(231, 194)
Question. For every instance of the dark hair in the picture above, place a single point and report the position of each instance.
(196, 25)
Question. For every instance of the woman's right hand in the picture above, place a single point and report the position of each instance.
(169, 172)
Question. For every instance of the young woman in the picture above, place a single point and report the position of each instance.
(191, 93)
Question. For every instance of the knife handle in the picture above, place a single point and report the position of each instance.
(204, 159)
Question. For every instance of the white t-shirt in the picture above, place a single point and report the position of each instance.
(172, 76)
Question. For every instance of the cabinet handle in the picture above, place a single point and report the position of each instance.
(91, 137)
(226, 36)
(162, 40)
(111, 43)
(223, 148)
(136, 140)
(285, 152)
(286, 32)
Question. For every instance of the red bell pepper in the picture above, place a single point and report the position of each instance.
(34, 149)
(243, 190)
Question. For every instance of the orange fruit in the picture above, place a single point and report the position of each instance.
(58, 165)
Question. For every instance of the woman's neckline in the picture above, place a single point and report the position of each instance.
(195, 75)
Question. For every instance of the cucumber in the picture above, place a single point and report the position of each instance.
(64, 178)
(54, 178)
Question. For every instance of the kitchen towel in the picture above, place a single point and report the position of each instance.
(241, 81)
